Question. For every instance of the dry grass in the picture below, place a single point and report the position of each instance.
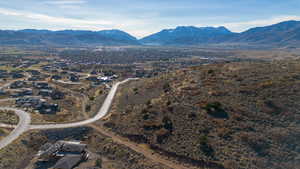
(8, 117)
(233, 105)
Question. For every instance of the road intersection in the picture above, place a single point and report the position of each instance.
(25, 119)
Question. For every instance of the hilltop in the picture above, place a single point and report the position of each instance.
(234, 115)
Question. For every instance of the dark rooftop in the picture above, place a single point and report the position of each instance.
(68, 162)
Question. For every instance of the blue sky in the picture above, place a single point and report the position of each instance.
(143, 17)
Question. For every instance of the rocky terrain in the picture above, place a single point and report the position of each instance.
(235, 115)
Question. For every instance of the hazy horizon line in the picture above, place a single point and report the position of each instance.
(139, 37)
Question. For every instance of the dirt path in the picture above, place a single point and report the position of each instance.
(31, 164)
(135, 147)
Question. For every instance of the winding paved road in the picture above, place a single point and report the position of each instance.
(101, 113)
(24, 118)
(23, 125)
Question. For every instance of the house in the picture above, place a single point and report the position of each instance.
(3, 71)
(68, 153)
(75, 70)
(17, 75)
(4, 74)
(46, 108)
(74, 78)
(54, 71)
(69, 161)
(42, 85)
(45, 92)
(3, 93)
(92, 78)
(18, 84)
(54, 94)
(94, 72)
(73, 147)
(56, 77)
(47, 68)
(64, 72)
(21, 93)
(16, 65)
(29, 102)
(48, 151)
(35, 78)
(114, 77)
(140, 73)
(64, 68)
(57, 95)
(37, 104)
(34, 72)
(60, 149)
(60, 64)
(105, 79)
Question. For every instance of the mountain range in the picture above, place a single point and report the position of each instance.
(282, 34)
(66, 37)
(187, 35)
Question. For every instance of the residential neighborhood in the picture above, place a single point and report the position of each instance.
(51, 88)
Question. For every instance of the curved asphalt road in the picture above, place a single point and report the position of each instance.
(24, 118)
(101, 113)
(23, 125)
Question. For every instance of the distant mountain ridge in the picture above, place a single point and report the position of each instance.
(66, 37)
(282, 34)
(187, 35)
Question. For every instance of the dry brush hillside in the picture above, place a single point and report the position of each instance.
(234, 115)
